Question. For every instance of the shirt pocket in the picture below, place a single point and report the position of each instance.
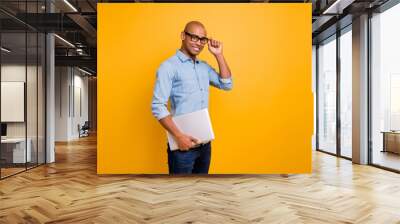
(187, 85)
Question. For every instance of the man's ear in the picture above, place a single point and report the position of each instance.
(182, 36)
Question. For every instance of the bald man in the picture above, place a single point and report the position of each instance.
(185, 80)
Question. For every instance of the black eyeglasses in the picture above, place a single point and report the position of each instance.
(195, 38)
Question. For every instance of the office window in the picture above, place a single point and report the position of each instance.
(314, 88)
(385, 88)
(327, 95)
(346, 93)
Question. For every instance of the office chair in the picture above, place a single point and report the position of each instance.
(84, 130)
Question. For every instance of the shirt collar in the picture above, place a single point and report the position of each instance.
(183, 57)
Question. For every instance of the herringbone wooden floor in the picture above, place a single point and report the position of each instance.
(70, 191)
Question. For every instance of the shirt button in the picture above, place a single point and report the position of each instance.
(201, 89)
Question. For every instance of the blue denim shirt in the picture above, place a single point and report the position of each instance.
(186, 84)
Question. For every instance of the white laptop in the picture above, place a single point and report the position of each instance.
(196, 124)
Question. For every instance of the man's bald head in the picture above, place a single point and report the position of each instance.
(194, 25)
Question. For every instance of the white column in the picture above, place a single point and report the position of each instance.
(360, 90)
(50, 92)
(50, 99)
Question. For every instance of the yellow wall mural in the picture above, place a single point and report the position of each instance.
(263, 125)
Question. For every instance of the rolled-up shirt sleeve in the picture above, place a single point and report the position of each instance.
(162, 91)
(217, 81)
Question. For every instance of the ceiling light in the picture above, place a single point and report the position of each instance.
(338, 6)
(64, 40)
(84, 71)
(5, 50)
(70, 5)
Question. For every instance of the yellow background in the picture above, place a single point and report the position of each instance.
(263, 125)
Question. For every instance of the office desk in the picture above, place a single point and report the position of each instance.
(13, 150)
(391, 141)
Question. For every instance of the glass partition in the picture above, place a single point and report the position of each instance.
(22, 88)
(14, 144)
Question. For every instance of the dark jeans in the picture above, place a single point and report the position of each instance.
(195, 160)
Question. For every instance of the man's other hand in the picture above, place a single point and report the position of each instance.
(185, 142)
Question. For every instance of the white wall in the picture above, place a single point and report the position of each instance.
(12, 73)
(62, 78)
(80, 84)
(71, 93)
